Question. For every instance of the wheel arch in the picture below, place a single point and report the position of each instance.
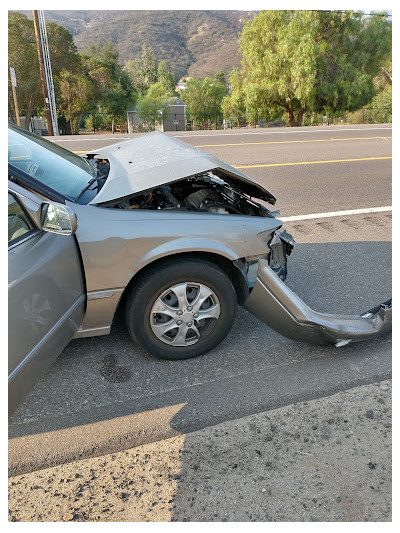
(231, 269)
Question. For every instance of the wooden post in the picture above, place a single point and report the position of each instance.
(14, 93)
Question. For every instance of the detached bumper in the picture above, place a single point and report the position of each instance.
(281, 309)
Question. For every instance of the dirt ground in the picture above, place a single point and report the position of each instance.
(322, 460)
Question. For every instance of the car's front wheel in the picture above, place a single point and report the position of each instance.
(181, 309)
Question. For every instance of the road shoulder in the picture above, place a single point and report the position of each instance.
(327, 459)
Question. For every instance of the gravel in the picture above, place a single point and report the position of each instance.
(322, 460)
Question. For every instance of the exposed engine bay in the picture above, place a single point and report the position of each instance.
(208, 192)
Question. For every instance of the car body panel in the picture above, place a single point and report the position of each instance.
(46, 301)
(155, 159)
(116, 244)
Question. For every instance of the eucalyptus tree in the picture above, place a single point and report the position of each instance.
(298, 61)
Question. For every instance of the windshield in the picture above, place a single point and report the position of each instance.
(55, 167)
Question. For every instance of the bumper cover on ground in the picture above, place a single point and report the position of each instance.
(281, 309)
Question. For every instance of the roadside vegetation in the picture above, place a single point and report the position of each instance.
(297, 68)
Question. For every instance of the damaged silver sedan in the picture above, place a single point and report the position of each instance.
(168, 234)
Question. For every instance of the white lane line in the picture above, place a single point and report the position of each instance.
(337, 213)
(273, 132)
(87, 139)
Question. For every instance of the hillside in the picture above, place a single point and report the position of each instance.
(193, 43)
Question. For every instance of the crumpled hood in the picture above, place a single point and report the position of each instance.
(154, 159)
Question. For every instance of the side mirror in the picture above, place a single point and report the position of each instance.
(58, 218)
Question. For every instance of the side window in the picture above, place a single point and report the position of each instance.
(19, 224)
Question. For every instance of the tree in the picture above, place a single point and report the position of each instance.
(233, 104)
(102, 66)
(113, 88)
(166, 78)
(115, 102)
(23, 56)
(94, 122)
(311, 60)
(381, 105)
(143, 71)
(64, 54)
(77, 93)
(105, 53)
(203, 98)
(384, 78)
(220, 77)
(159, 90)
(152, 109)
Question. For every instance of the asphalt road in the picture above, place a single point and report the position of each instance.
(308, 170)
(104, 394)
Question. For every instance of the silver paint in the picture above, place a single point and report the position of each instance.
(155, 159)
(280, 308)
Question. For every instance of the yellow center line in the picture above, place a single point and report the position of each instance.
(266, 142)
(286, 142)
(310, 162)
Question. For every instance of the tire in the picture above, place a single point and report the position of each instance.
(161, 320)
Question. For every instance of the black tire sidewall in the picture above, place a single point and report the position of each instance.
(161, 278)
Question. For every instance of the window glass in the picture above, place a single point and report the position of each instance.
(18, 222)
(59, 169)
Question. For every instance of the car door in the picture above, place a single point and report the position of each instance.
(46, 298)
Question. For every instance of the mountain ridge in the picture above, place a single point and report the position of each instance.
(193, 43)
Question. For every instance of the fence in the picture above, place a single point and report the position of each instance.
(366, 115)
(94, 121)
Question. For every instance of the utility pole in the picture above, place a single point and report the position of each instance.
(45, 71)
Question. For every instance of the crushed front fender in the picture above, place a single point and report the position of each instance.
(281, 309)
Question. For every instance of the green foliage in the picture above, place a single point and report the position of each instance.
(143, 71)
(152, 106)
(203, 99)
(233, 104)
(152, 109)
(166, 78)
(23, 57)
(113, 91)
(94, 122)
(64, 54)
(158, 90)
(106, 53)
(309, 60)
(384, 78)
(102, 66)
(77, 93)
(381, 105)
(220, 77)
(115, 101)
